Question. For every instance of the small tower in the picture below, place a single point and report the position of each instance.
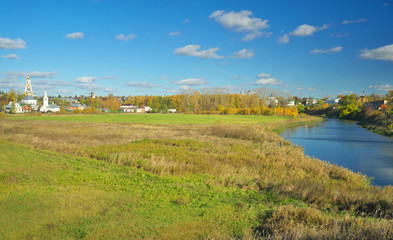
(92, 95)
(28, 87)
(45, 100)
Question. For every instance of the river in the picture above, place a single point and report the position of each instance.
(346, 144)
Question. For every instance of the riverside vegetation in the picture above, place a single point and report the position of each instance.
(121, 179)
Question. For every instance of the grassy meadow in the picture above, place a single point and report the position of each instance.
(156, 118)
(175, 177)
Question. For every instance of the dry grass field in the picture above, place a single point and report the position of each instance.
(223, 180)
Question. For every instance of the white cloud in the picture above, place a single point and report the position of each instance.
(109, 89)
(178, 33)
(90, 86)
(381, 53)
(302, 31)
(184, 87)
(34, 74)
(191, 82)
(37, 74)
(141, 85)
(313, 89)
(164, 78)
(125, 38)
(331, 50)
(284, 39)
(236, 77)
(7, 43)
(242, 21)
(354, 21)
(192, 50)
(264, 75)
(75, 35)
(244, 53)
(85, 79)
(382, 87)
(268, 81)
(11, 56)
(111, 77)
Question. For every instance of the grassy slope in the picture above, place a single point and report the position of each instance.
(176, 181)
(156, 118)
(51, 195)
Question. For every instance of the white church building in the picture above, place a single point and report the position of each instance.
(46, 107)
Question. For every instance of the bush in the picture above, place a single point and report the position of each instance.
(2, 115)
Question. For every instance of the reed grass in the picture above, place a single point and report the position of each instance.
(296, 197)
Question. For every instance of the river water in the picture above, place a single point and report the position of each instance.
(346, 144)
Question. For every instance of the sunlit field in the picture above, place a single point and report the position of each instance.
(230, 179)
(157, 118)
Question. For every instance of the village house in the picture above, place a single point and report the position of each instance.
(126, 107)
(375, 104)
(171, 110)
(26, 107)
(30, 100)
(76, 106)
(18, 107)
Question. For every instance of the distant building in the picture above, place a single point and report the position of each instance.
(171, 110)
(18, 108)
(31, 101)
(46, 107)
(92, 95)
(333, 101)
(127, 107)
(28, 87)
(77, 106)
(375, 104)
(291, 103)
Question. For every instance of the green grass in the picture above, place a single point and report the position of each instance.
(50, 195)
(156, 118)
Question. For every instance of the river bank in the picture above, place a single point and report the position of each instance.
(346, 144)
(377, 121)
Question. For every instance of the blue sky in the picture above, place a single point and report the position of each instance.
(303, 48)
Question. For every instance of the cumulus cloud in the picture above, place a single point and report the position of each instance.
(382, 87)
(178, 33)
(90, 86)
(141, 85)
(284, 39)
(191, 82)
(268, 81)
(108, 89)
(85, 79)
(323, 51)
(34, 74)
(192, 50)
(313, 89)
(75, 35)
(244, 53)
(121, 37)
(354, 21)
(242, 22)
(302, 31)
(111, 77)
(37, 74)
(381, 53)
(264, 75)
(11, 56)
(7, 43)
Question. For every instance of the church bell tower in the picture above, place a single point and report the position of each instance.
(28, 87)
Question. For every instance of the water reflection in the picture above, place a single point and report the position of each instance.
(346, 144)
